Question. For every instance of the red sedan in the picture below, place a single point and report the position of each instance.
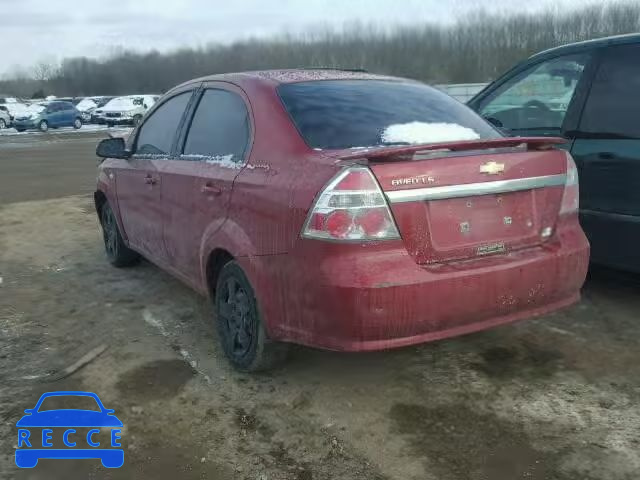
(342, 210)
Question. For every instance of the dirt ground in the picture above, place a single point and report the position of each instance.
(551, 398)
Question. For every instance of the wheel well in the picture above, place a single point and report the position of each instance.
(99, 199)
(217, 259)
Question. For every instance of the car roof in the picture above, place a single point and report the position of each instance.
(294, 75)
(588, 45)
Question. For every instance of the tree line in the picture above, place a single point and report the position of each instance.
(475, 48)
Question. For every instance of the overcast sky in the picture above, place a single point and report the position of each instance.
(49, 30)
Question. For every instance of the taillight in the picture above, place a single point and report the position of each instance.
(571, 196)
(351, 207)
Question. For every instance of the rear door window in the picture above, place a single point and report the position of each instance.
(337, 114)
(219, 130)
(613, 107)
(159, 130)
(537, 99)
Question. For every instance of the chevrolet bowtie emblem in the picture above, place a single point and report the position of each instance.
(492, 168)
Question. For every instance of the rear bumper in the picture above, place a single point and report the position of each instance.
(377, 299)
(614, 239)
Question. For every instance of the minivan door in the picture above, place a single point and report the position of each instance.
(607, 152)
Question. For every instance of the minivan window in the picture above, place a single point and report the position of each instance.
(336, 114)
(158, 131)
(613, 105)
(220, 127)
(537, 99)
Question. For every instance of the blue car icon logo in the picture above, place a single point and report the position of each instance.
(36, 431)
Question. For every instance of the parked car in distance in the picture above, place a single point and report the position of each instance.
(43, 116)
(13, 107)
(127, 110)
(88, 105)
(5, 117)
(342, 210)
(586, 92)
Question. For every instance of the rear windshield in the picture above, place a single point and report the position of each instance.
(339, 114)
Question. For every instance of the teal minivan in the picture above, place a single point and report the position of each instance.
(589, 93)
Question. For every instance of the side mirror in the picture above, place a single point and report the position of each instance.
(112, 148)
(494, 121)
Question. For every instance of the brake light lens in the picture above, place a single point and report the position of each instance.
(352, 207)
(571, 195)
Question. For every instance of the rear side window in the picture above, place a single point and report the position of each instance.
(536, 101)
(159, 130)
(613, 106)
(338, 114)
(220, 127)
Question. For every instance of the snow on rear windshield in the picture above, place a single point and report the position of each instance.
(337, 114)
(421, 132)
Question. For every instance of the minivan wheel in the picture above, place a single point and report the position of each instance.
(240, 326)
(77, 123)
(43, 126)
(3, 124)
(118, 254)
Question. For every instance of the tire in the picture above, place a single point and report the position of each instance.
(240, 326)
(136, 120)
(43, 126)
(77, 123)
(20, 129)
(118, 254)
(3, 124)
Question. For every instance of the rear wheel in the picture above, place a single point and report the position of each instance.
(118, 254)
(3, 124)
(77, 123)
(240, 326)
(43, 126)
(20, 129)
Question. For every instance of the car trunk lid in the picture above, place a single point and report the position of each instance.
(467, 199)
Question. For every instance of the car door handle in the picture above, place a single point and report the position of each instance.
(211, 189)
(149, 180)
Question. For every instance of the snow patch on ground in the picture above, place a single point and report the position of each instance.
(421, 132)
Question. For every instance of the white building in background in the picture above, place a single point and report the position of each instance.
(463, 92)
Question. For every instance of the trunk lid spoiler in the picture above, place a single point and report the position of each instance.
(405, 152)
